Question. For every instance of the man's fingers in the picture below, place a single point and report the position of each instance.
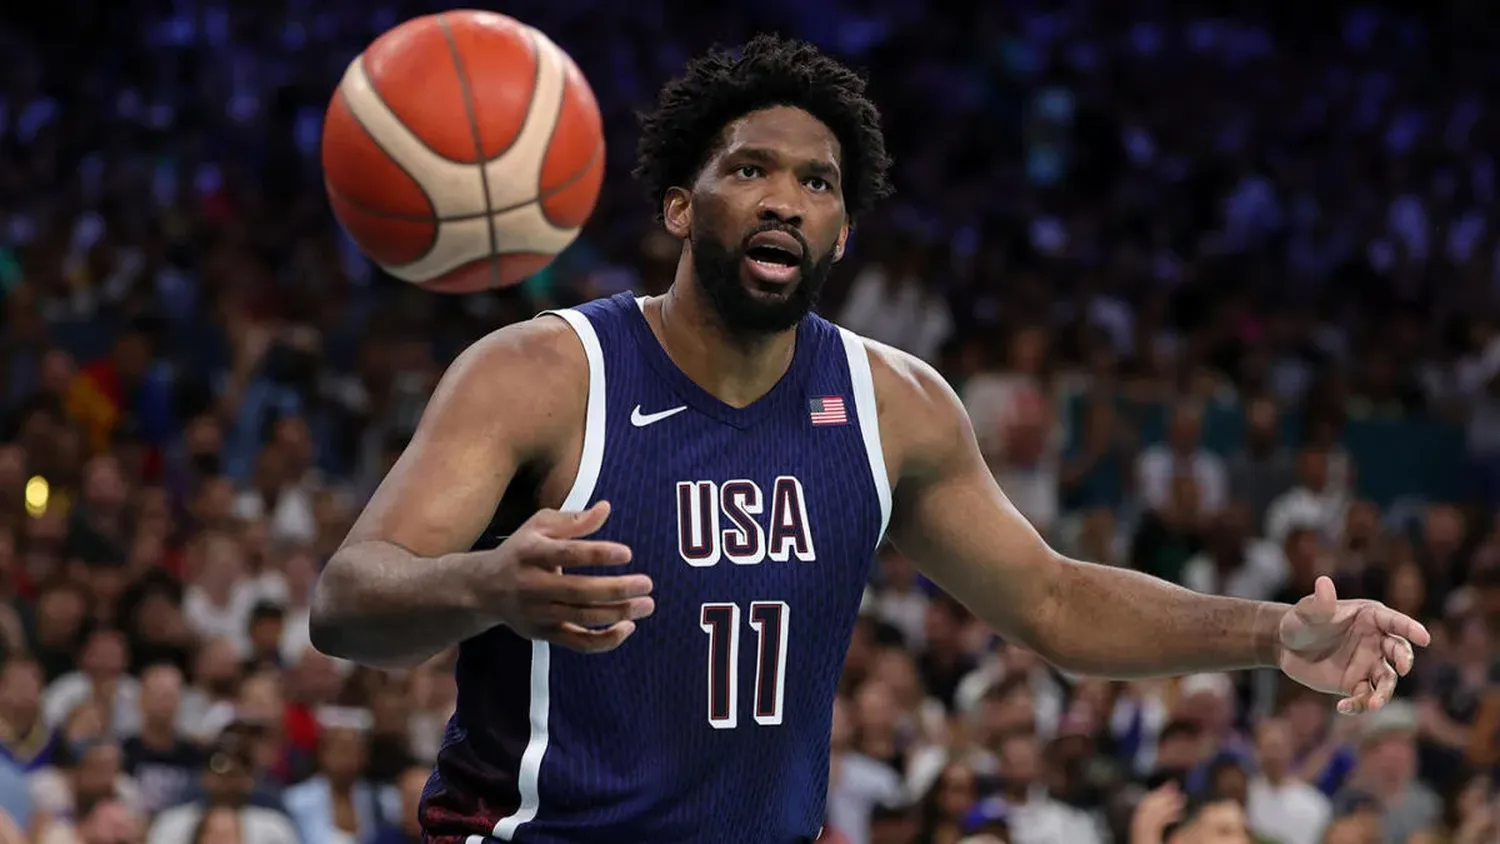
(1324, 591)
(1358, 699)
(570, 524)
(1398, 653)
(597, 615)
(585, 613)
(1394, 623)
(583, 590)
(581, 639)
(1322, 604)
(1384, 682)
(577, 553)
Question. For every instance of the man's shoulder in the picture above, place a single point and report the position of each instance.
(541, 344)
(904, 383)
(170, 823)
(267, 818)
(1424, 797)
(308, 791)
(882, 355)
(1298, 791)
(870, 771)
(480, 388)
(1156, 454)
(922, 420)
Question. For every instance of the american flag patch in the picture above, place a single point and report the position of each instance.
(827, 410)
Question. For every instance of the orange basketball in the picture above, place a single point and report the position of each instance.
(463, 151)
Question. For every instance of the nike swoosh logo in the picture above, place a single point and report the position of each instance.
(641, 420)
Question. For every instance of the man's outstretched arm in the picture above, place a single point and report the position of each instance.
(955, 522)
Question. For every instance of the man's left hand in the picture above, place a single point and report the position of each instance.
(1352, 648)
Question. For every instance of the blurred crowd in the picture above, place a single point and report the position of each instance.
(1217, 286)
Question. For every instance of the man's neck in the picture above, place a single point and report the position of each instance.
(1387, 789)
(15, 729)
(221, 597)
(1018, 794)
(161, 736)
(103, 687)
(735, 369)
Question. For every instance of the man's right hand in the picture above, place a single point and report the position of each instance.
(583, 612)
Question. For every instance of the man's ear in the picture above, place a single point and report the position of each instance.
(677, 212)
(838, 245)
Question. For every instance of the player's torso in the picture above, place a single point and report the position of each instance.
(757, 526)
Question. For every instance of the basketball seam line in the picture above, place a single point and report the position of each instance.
(472, 215)
(562, 102)
(572, 180)
(361, 60)
(484, 178)
(389, 156)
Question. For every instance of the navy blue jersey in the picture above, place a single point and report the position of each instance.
(757, 526)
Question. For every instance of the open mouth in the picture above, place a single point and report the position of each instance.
(774, 258)
(772, 266)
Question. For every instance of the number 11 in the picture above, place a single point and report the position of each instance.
(722, 624)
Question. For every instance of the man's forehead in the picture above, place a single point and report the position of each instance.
(782, 130)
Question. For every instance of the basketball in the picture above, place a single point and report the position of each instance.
(463, 151)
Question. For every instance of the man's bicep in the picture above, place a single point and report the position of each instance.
(966, 536)
(954, 521)
(474, 435)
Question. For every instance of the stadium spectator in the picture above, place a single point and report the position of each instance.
(159, 758)
(1163, 468)
(399, 824)
(336, 804)
(228, 801)
(1279, 806)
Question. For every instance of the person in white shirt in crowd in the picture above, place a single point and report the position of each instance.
(1282, 807)
(101, 676)
(1017, 426)
(218, 601)
(857, 784)
(1035, 817)
(1182, 451)
(208, 704)
(1314, 502)
(228, 782)
(1263, 467)
(900, 601)
(1236, 562)
(891, 302)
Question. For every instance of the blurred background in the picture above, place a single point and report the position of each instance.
(1216, 281)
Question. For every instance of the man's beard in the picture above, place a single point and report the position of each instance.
(717, 269)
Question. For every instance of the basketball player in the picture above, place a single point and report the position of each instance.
(694, 486)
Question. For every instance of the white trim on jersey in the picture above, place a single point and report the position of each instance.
(589, 464)
(863, 385)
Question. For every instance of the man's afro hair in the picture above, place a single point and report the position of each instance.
(686, 128)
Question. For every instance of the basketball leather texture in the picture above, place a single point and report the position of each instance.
(463, 151)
